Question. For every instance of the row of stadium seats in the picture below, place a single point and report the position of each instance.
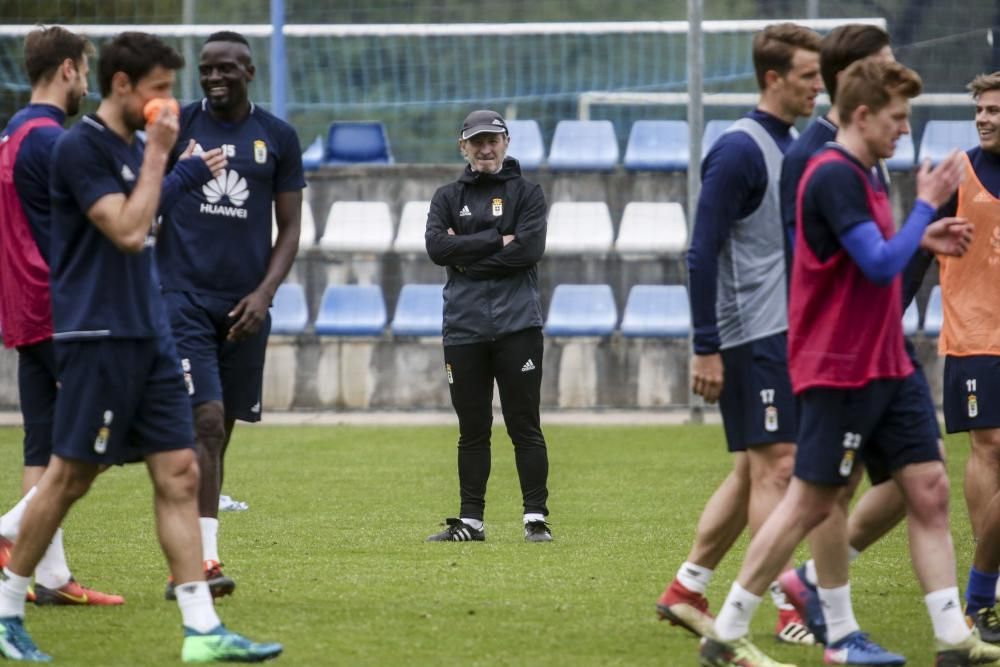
(651, 311)
(576, 310)
(573, 227)
(592, 145)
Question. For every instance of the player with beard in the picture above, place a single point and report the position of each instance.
(218, 268)
(57, 62)
(121, 394)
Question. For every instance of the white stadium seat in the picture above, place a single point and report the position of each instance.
(652, 227)
(579, 227)
(358, 226)
(412, 225)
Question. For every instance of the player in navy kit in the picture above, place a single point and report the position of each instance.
(57, 64)
(858, 393)
(881, 507)
(121, 395)
(736, 269)
(218, 269)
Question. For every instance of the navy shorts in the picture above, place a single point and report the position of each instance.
(971, 391)
(757, 403)
(885, 423)
(216, 369)
(120, 400)
(877, 471)
(36, 383)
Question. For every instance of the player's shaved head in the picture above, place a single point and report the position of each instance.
(230, 37)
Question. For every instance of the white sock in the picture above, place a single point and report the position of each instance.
(197, 610)
(838, 612)
(10, 523)
(53, 571)
(946, 615)
(693, 577)
(778, 597)
(473, 523)
(735, 615)
(528, 518)
(209, 538)
(811, 572)
(852, 554)
(13, 588)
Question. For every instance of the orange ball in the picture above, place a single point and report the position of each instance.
(152, 108)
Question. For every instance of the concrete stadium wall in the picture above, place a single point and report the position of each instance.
(325, 373)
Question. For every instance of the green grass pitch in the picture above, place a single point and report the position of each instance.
(330, 559)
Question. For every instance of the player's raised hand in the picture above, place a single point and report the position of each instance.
(162, 132)
(706, 376)
(188, 150)
(948, 236)
(215, 160)
(937, 185)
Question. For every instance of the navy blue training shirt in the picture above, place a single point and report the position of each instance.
(97, 289)
(734, 181)
(835, 196)
(217, 239)
(31, 171)
(819, 132)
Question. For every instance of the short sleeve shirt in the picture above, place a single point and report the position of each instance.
(217, 238)
(97, 289)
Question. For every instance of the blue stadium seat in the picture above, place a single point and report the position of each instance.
(289, 313)
(351, 310)
(582, 310)
(659, 311)
(943, 136)
(312, 157)
(934, 316)
(902, 159)
(657, 145)
(911, 319)
(526, 143)
(419, 311)
(584, 145)
(357, 142)
(713, 130)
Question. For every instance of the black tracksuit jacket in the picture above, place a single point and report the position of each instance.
(492, 289)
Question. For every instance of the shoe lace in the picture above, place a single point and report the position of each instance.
(536, 527)
(989, 619)
(862, 642)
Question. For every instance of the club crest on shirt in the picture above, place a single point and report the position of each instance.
(497, 207)
(260, 151)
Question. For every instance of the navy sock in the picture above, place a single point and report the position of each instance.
(981, 591)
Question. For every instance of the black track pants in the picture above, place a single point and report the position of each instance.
(515, 361)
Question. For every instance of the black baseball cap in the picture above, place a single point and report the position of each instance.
(483, 120)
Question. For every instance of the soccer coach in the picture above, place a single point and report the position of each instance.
(488, 229)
